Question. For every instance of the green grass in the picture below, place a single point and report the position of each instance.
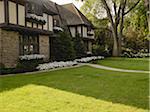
(126, 63)
(83, 89)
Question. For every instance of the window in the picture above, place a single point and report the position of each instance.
(33, 8)
(89, 28)
(29, 44)
(56, 22)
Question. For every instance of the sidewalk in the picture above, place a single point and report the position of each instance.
(116, 69)
(81, 64)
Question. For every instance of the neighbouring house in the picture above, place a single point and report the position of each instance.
(28, 27)
(77, 23)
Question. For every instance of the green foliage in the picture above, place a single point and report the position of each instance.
(138, 18)
(63, 47)
(22, 66)
(135, 40)
(100, 51)
(93, 10)
(136, 29)
(79, 47)
(104, 42)
(28, 65)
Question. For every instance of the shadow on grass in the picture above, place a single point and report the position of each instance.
(124, 88)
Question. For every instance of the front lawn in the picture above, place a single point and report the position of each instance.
(82, 89)
(126, 63)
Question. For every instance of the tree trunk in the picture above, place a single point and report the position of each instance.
(120, 44)
(120, 35)
(148, 14)
(115, 52)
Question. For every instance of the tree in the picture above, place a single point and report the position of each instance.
(136, 29)
(147, 6)
(79, 47)
(103, 44)
(63, 47)
(116, 11)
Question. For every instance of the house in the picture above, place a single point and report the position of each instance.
(77, 23)
(28, 27)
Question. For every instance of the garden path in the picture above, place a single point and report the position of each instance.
(116, 69)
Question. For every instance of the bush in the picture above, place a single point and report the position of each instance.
(79, 47)
(63, 47)
(28, 65)
(22, 66)
(100, 51)
(130, 53)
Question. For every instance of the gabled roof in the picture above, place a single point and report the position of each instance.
(80, 19)
(45, 5)
(49, 6)
(67, 17)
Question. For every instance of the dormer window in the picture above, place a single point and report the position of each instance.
(90, 32)
(33, 8)
(34, 13)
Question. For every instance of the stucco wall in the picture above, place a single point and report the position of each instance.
(44, 46)
(9, 48)
(2, 16)
(84, 31)
(46, 25)
(50, 23)
(29, 24)
(12, 12)
(21, 13)
(73, 31)
(79, 29)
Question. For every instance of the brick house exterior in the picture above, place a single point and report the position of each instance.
(27, 27)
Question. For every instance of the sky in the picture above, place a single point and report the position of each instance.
(78, 4)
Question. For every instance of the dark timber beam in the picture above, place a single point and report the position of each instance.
(6, 9)
(17, 15)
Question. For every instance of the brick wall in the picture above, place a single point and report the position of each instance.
(9, 47)
(9, 41)
(44, 46)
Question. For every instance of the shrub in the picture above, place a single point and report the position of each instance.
(28, 65)
(100, 50)
(130, 53)
(79, 47)
(63, 47)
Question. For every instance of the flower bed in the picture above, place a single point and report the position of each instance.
(88, 59)
(61, 64)
(56, 65)
(138, 55)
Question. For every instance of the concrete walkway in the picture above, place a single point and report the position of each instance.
(81, 64)
(116, 69)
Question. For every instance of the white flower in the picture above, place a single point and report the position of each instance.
(62, 64)
(88, 59)
(31, 57)
(58, 28)
(53, 65)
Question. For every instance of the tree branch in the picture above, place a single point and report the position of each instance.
(132, 7)
(108, 12)
(115, 8)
